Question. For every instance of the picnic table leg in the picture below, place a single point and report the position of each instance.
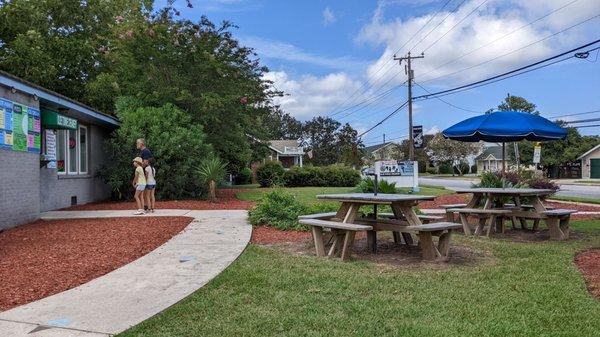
(372, 241)
(554, 228)
(318, 237)
(521, 220)
(480, 226)
(411, 218)
(348, 243)
(335, 244)
(428, 249)
(474, 200)
(464, 219)
(564, 226)
(444, 243)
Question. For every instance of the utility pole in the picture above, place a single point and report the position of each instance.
(411, 75)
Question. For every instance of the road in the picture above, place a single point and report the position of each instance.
(567, 190)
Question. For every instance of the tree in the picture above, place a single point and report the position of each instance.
(400, 152)
(516, 103)
(320, 136)
(281, 125)
(178, 145)
(350, 146)
(454, 152)
(211, 172)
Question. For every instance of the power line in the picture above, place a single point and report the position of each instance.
(516, 72)
(513, 51)
(439, 23)
(501, 37)
(372, 98)
(387, 140)
(456, 25)
(448, 103)
(586, 126)
(373, 138)
(583, 120)
(353, 95)
(576, 114)
(385, 119)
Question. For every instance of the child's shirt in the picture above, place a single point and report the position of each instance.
(141, 179)
(150, 175)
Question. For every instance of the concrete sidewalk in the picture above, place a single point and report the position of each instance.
(139, 290)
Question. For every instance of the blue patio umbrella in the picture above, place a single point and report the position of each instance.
(505, 126)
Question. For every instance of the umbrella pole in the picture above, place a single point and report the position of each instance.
(503, 158)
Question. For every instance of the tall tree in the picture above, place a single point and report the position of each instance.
(517, 103)
(400, 152)
(350, 146)
(320, 136)
(450, 151)
(281, 125)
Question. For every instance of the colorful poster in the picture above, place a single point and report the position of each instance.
(20, 128)
(51, 149)
(2, 117)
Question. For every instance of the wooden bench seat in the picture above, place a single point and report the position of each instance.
(489, 217)
(526, 207)
(558, 223)
(450, 214)
(443, 230)
(423, 217)
(342, 233)
(320, 216)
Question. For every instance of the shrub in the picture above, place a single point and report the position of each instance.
(211, 172)
(270, 174)
(445, 168)
(520, 179)
(367, 186)
(432, 170)
(332, 175)
(244, 176)
(177, 143)
(542, 182)
(279, 209)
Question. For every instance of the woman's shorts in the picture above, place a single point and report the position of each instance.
(150, 187)
(140, 187)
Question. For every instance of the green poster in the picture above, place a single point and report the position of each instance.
(20, 128)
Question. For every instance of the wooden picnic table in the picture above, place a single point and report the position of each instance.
(494, 198)
(402, 205)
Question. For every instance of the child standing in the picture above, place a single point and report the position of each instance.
(139, 182)
(150, 186)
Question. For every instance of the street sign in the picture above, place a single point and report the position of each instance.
(418, 140)
(537, 154)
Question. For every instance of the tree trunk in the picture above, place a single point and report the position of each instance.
(212, 186)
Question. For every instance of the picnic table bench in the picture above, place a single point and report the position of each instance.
(489, 217)
(558, 223)
(404, 221)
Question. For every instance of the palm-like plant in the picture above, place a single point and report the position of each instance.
(210, 172)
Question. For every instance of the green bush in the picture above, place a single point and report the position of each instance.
(244, 176)
(270, 174)
(367, 186)
(445, 168)
(432, 170)
(278, 209)
(332, 175)
(474, 168)
(516, 179)
(177, 144)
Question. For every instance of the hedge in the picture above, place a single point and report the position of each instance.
(272, 174)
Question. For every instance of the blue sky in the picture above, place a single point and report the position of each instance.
(327, 55)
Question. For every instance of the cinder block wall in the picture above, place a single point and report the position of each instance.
(19, 177)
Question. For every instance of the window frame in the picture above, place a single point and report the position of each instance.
(64, 145)
(87, 152)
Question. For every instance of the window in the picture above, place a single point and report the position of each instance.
(72, 151)
(82, 149)
(61, 151)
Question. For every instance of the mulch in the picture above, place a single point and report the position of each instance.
(225, 200)
(43, 258)
(589, 264)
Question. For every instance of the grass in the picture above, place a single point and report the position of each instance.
(308, 194)
(577, 199)
(527, 289)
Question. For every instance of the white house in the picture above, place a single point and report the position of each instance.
(590, 163)
(287, 151)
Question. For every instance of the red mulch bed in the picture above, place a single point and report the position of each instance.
(264, 235)
(447, 199)
(47, 257)
(226, 200)
(589, 265)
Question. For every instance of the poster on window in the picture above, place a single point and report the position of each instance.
(20, 127)
(50, 154)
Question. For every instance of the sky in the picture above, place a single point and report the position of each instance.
(329, 56)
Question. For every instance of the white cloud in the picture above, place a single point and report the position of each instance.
(433, 130)
(328, 16)
(285, 51)
(488, 23)
(309, 95)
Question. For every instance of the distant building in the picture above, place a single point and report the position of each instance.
(590, 162)
(383, 151)
(490, 159)
(287, 151)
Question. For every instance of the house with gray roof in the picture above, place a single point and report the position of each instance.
(490, 159)
(287, 151)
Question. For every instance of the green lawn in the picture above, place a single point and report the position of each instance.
(524, 289)
(577, 199)
(308, 194)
